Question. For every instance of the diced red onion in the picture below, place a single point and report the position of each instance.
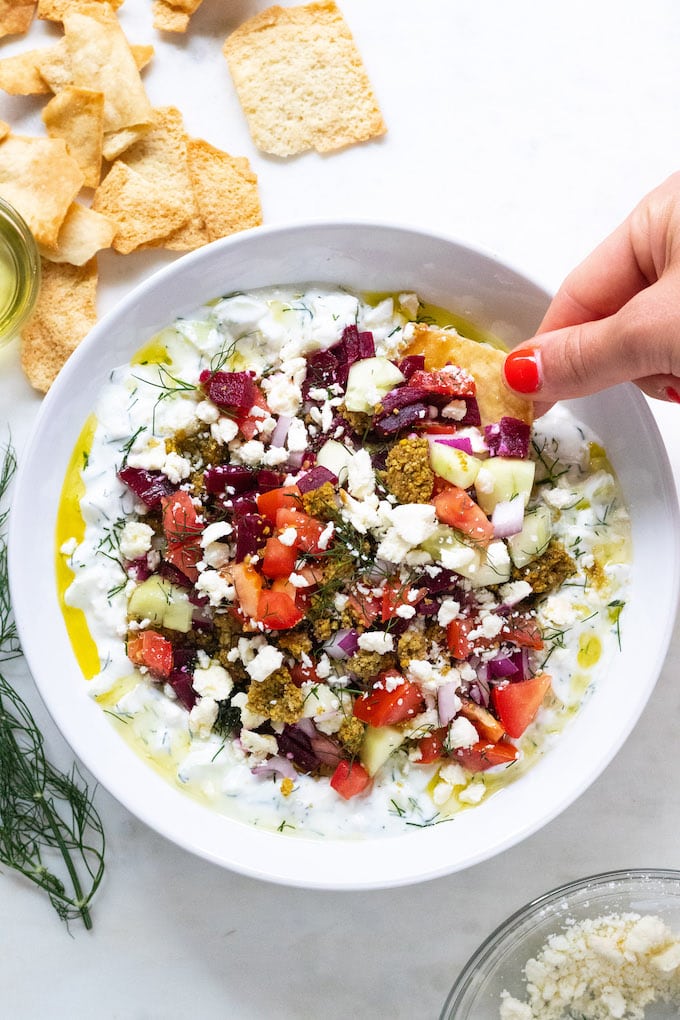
(461, 443)
(501, 666)
(278, 436)
(508, 517)
(343, 644)
(448, 702)
(275, 766)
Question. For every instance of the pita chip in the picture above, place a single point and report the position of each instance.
(19, 75)
(16, 16)
(83, 233)
(225, 188)
(54, 10)
(41, 180)
(143, 210)
(77, 116)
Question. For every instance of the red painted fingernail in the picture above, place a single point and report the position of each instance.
(522, 370)
(673, 394)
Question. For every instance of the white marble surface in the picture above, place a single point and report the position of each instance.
(529, 129)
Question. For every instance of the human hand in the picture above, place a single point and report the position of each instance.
(616, 317)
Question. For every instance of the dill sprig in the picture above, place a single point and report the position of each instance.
(50, 830)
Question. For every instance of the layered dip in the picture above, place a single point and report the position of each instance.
(323, 571)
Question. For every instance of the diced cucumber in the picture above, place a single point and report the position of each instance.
(335, 457)
(378, 744)
(446, 547)
(534, 537)
(368, 381)
(494, 566)
(501, 478)
(454, 465)
(162, 603)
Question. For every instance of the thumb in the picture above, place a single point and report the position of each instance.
(639, 342)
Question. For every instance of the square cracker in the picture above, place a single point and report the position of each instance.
(65, 313)
(143, 210)
(300, 80)
(40, 179)
(83, 233)
(225, 188)
(16, 16)
(77, 116)
(483, 362)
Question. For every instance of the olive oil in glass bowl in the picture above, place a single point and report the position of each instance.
(19, 272)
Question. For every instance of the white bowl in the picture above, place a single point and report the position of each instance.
(368, 257)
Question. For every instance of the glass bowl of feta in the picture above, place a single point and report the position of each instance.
(317, 586)
(603, 946)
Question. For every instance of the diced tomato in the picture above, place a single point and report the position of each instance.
(381, 707)
(248, 584)
(286, 585)
(268, 503)
(150, 649)
(308, 529)
(484, 722)
(396, 594)
(440, 485)
(485, 755)
(518, 703)
(523, 632)
(182, 529)
(366, 608)
(180, 518)
(349, 778)
(277, 610)
(458, 640)
(279, 559)
(301, 674)
(446, 384)
(455, 508)
(248, 424)
(185, 556)
(431, 747)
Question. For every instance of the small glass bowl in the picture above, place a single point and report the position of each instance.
(499, 962)
(19, 272)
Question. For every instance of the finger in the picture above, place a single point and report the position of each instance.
(641, 340)
(661, 387)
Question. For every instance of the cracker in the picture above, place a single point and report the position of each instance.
(65, 313)
(16, 16)
(142, 54)
(83, 233)
(40, 179)
(54, 10)
(168, 18)
(19, 75)
(77, 116)
(101, 60)
(225, 188)
(143, 210)
(4, 129)
(161, 157)
(301, 82)
(54, 66)
(482, 361)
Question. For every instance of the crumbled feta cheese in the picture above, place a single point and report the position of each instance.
(457, 557)
(405, 612)
(135, 540)
(297, 439)
(360, 475)
(298, 581)
(414, 522)
(224, 430)
(326, 535)
(410, 304)
(151, 458)
(207, 412)
(202, 718)
(259, 745)
(212, 681)
(249, 453)
(288, 536)
(376, 641)
(216, 587)
(213, 532)
(283, 395)
(462, 733)
(514, 591)
(267, 660)
(448, 610)
(250, 720)
(274, 456)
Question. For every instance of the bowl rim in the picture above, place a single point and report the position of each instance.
(503, 932)
(305, 875)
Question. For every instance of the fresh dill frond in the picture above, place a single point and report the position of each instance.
(50, 830)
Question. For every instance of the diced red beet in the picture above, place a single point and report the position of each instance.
(410, 364)
(184, 657)
(138, 569)
(241, 505)
(348, 348)
(230, 390)
(267, 480)
(472, 415)
(508, 437)
(232, 476)
(403, 418)
(402, 396)
(149, 486)
(315, 478)
(296, 745)
(322, 372)
(174, 575)
(366, 345)
(250, 535)
(444, 581)
(181, 682)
